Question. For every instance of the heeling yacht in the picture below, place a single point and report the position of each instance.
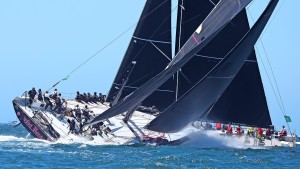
(213, 76)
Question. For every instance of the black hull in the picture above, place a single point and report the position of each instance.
(31, 126)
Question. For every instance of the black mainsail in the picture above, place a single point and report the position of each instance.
(150, 47)
(210, 27)
(244, 100)
(205, 93)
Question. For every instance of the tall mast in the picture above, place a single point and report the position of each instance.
(151, 48)
(179, 15)
(210, 27)
(244, 100)
(204, 94)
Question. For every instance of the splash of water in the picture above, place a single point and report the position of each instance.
(213, 139)
(27, 136)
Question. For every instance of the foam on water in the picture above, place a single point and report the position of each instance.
(18, 152)
(82, 140)
(11, 138)
(212, 139)
(34, 142)
(200, 139)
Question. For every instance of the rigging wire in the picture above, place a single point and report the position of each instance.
(138, 53)
(272, 19)
(279, 100)
(267, 56)
(136, 81)
(277, 91)
(265, 69)
(108, 44)
(276, 84)
(275, 14)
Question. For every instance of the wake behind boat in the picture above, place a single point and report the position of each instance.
(197, 84)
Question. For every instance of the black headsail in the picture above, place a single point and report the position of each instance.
(150, 47)
(220, 16)
(203, 95)
(244, 100)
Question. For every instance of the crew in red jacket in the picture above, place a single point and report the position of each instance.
(229, 129)
(283, 132)
(259, 132)
(238, 130)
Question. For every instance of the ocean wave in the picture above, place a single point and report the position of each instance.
(11, 138)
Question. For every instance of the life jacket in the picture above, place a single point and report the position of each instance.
(229, 129)
(238, 129)
(259, 131)
(283, 132)
(268, 132)
(250, 129)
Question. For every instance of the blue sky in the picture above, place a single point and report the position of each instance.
(42, 41)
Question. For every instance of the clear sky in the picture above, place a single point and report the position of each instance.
(42, 41)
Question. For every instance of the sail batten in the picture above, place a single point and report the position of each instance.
(245, 95)
(151, 40)
(151, 48)
(205, 93)
(211, 26)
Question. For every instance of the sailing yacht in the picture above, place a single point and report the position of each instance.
(212, 77)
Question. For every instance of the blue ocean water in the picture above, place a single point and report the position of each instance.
(18, 152)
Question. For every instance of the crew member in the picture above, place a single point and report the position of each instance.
(54, 94)
(78, 97)
(86, 113)
(95, 97)
(40, 95)
(154, 110)
(32, 94)
(250, 131)
(58, 104)
(78, 113)
(47, 101)
(102, 98)
(89, 97)
(72, 126)
(259, 133)
(84, 97)
(268, 134)
(238, 130)
(229, 129)
(282, 133)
